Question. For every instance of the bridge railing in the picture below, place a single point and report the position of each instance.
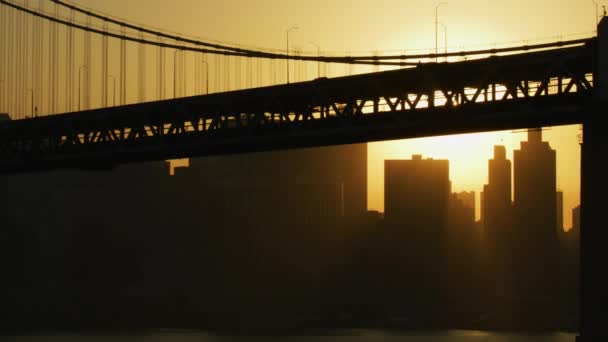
(201, 124)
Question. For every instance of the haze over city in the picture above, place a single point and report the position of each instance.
(337, 28)
(307, 168)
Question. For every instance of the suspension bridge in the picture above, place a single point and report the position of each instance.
(87, 90)
(73, 110)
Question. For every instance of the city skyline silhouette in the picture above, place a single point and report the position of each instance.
(338, 172)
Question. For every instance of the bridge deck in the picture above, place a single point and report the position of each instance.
(532, 89)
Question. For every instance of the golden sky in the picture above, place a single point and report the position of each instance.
(354, 26)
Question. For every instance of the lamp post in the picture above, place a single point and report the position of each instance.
(31, 91)
(206, 76)
(79, 72)
(114, 89)
(597, 15)
(287, 49)
(174, 71)
(436, 24)
(445, 40)
(318, 55)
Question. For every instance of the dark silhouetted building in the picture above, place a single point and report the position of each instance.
(497, 225)
(280, 217)
(416, 192)
(576, 219)
(462, 257)
(571, 270)
(416, 200)
(559, 210)
(231, 241)
(344, 165)
(536, 270)
(468, 200)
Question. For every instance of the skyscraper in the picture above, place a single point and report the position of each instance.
(559, 211)
(277, 209)
(468, 199)
(343, 165)
(497, 220)
(416, 193)
(416, 198)
(497, 193)
(576, 218)
(535, 193)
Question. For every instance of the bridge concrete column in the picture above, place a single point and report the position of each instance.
(594, 207)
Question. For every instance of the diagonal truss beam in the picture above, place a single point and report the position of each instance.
(170, 129)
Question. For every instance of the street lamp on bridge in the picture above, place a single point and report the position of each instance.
(318, 55)
(289, 30)
(436, 24)
(597, 15)
(445, 39)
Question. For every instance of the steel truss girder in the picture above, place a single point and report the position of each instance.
(168, 129)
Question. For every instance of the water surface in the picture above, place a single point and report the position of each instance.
(335, 336)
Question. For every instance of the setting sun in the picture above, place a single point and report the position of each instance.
(204, 170)
(468, 155)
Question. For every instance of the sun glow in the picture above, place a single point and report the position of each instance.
(469, 154)
(383, 27)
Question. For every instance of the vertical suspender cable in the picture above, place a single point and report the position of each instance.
(10, 61)
(3, 64)
(197, 75)
(159, 52)
(237, 73)
(182, 74)
(55, 61)
(27, 100)
(87, 71)
(123, 68)
(176, 73)
(104, 67)
(216, 81)
(69, 80)
(141, 71)
(39, 62)
(161, 71)
(249, 72)
(226, 73)
(19, 59)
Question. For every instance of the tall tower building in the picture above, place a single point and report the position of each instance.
(468, 199)
(497, 220)
(576, 219)
(497, 193)
(416, 193)
(343, 165)
(559, 210)
(535, 193)
(535, 185)
(416, 201)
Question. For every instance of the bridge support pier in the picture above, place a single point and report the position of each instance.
(594, 233)
(594, 214)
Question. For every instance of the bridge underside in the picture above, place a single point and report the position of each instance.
(388, 126)
(517, 91)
